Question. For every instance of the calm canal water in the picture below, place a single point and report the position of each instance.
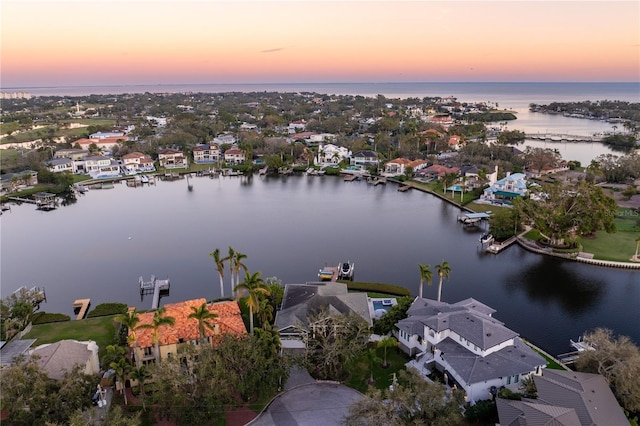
(289, 227)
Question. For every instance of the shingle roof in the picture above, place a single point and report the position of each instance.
(185, 328)
(589, 394)
(300, 300)
(61, 356)
(508, 361)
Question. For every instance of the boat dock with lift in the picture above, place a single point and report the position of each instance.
(155, 287)
(344, 271)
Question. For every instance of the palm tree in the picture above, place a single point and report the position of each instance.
(373, 358)
(113, 353)
(425, 275)
(158, 321)
(443, 272)
(204, 317)
(237, 264)
(635, 256)
(220, 265)
(253, 285)
(231, 258)
(387, 342)
(140, 374)
(122, 368)
(130, 319)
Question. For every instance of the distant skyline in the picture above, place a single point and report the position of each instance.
(117, 42)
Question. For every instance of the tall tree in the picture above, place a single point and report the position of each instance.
(231, 258)
(384, 343)
(220, 266)
(412, 401)
(443, 272)
(253, 285)
(141, 374)
(618, 360)
(122, 368)
(237, 265)
(159, 320)
(204, 317)
(130, 320)
(562, 212)
(425, 275)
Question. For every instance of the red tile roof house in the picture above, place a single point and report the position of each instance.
(234, 156)
(137, 162)
(185, 331)
(398, 166)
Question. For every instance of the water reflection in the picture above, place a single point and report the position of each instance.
(550, 281)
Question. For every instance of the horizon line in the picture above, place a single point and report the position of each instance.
(312, 83)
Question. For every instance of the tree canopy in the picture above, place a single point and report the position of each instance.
(563, 212)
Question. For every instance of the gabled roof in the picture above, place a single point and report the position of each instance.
(366, 154)
(524, 413)
(185, 328)
(169, 151)
(300, 300)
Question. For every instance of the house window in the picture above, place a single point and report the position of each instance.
(148, 351)
(509, 380)
(517, 378)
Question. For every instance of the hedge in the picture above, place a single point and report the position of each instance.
(104, 309)
(377, 288)
(45, 317)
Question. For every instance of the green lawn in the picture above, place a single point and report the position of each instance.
(619, 246)
(100, 329)
(360, 369)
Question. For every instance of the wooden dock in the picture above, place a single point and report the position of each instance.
(404, 188)
(328, 273)
(81, 306)
(349, 178)
(496, 248)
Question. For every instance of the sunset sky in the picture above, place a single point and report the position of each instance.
(84, 42)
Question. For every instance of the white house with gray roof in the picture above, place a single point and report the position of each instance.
(301, 300)
(463, 340)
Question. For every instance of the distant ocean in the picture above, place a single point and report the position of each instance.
(507, 95)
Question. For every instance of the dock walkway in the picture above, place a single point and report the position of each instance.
(154, 286)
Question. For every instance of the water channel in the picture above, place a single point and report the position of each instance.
(289, 227)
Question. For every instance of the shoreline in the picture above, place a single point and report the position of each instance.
(527, 246)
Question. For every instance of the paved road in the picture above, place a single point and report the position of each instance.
(312, 404)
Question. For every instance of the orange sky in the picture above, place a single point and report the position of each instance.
(84, 42)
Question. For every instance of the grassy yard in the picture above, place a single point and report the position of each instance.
(360, 369)
(617, 247)
(100, 329)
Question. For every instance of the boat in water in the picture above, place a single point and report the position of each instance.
(486, 238)
(345, 271)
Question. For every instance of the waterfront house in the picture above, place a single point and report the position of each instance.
(364, 158)
(399, 166)
(57, 358)
(234, 156)
(301, 300)
(462, 340)
(436, 171)
(565, 398)
(329, 154)
(185, 331)
(506, 189)
(101, 167)
(59, 165)
(137, 162)
(14, 181)
(172, 159)
(206, 154)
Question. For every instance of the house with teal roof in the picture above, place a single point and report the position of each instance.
(503, 191)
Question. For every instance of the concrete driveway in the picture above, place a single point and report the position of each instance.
(317, 403)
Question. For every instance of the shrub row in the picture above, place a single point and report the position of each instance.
(377, 288)
(45, 317)
(105, 309)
